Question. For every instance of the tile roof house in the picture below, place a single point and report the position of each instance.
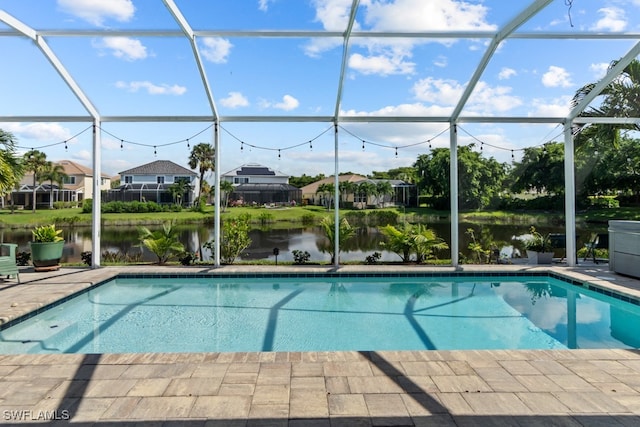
(152, 182)
(76, 187)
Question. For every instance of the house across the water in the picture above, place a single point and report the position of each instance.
(255, 184)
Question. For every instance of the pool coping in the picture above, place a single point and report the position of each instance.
(416, 388)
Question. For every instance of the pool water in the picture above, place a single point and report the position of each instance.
(328, 314)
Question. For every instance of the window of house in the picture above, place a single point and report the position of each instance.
(182, 178)
(160, 179)
(69, 180)
(128, 179)
(241, 180)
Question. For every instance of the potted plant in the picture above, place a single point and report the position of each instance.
(46, 247)
(539, 248)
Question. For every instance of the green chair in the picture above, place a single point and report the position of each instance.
(8, 265)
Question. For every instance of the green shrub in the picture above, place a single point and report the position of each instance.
(87, 205)
(308, 219)
(300, 257)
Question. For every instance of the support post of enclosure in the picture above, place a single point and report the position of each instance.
(216, 197)
(453, 177)
(97, 196)
(336, 195)
(569, 195)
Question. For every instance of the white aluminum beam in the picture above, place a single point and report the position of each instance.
(186, 28)
(345, 58)
(569, 196)
(553, 35)
(605, 81)
(522, 17)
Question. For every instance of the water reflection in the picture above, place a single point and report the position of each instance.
(123, 239)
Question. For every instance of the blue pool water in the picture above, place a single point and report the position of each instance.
(328, 314)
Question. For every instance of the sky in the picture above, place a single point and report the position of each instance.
(256, 77)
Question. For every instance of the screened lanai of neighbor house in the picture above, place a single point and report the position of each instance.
(309, 87)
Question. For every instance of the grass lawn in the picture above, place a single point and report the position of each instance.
(298, 214)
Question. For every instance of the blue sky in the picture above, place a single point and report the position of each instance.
(272, 76)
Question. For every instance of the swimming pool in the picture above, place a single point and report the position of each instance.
(328, 313)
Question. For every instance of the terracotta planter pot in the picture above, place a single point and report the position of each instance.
(46, 256)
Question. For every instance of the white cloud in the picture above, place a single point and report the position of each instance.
(506, 73)
(613, 20)
(433, 15)
(380, 64)
(288, 103)
(558, 107)
(484, 99)
(235, 100)
(84, 156)
(599, 70)
(151, 88)
(123, 47)
(97, 11)
(263, 5)
(556, 77)
(216, 49)
(438, 91)
(441, 61)
(38, 131)
(487, 100)
(387, 56)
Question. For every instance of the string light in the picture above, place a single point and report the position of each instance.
(396, 152)
(513, 157)
(121, 144)
(310, 146)
(429, 144)
(188, 146)
(65, 146)
(279, 157)
(241, 147)
(155, 152)
(481, 146)
(363, 145)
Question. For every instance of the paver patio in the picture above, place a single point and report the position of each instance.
(444, 388)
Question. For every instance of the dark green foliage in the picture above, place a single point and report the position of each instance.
(373, 258)
(300, 257)
(23, 258)
(86, 257)
(188, 258)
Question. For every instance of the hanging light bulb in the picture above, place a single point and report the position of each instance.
(279, 157)
(241, 146)
(121, 143)
(310, 145)
(481, 146)
(155, 152)
(513, 157)
(396, 152)
(188, 146)
(363, 145)
(429, 144)
(65, 146)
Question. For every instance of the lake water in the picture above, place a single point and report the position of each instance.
(310, 239)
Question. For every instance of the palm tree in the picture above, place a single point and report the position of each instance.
(54, 173)
(36, 162)
(621, 98)
(327, 190)
(366, 189)
(227, 188)
(383, 188)
(10, 167)
(345, 188)
(177, 190)
(163, 243)
(345, 231)
(202, 157)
